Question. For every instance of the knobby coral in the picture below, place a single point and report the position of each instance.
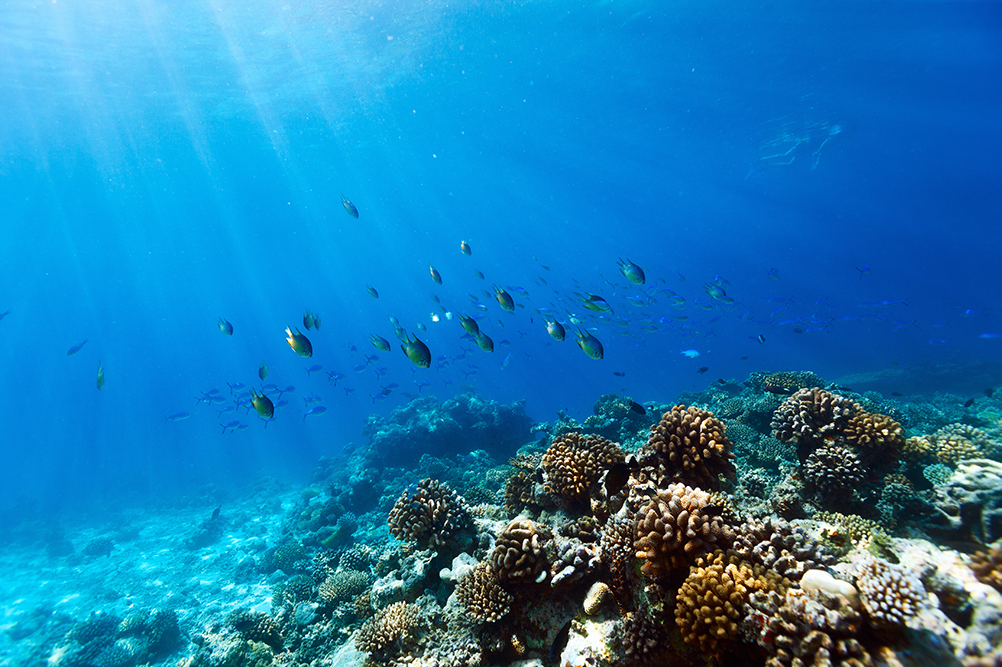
(574, 463)
(481, 594)
(430, 514)
(692, 447)
(890, 593)
(391, 630)
(518, 553)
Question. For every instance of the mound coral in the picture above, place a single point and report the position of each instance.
(518, 553)
(481, 594)
(257, 627)
(874, 433)
(786, 382)
(616, 547)
(573, 464)
(676, 525)
(811, 417)
(344, 585)
(429, 514)
(518, 492)
(711, 602)
(833, 470)
(692, 447)
(987, 567)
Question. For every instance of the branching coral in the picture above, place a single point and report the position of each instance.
(430, 514)
(481, 594)
(518, 553)
(787, 383)
(987, 567)
(810, 417)
(343, 585)
(777, 545)
(692, 447)
(890, 593)
(874, 433)
(391, 630)
(618, 553)
(518, 492)
(676, 525)
(574, 463)
(256, 626)
(711, 602)
(833, 470)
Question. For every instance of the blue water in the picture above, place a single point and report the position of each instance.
(165, 164)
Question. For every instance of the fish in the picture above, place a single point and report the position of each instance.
(504, 362)
(100, 376)
(485, 342)
(691, 354)
(744, 358)
(469, 325)
(334, 377)
(555, 329)
(76, 348)
(379, 343)
(703, 369)
(313, 369)
(417, 352)
(590, 345)
(616, 478)
(316, 321)
(372, 291)
(865, 269)
(299, 343)
(761, 338)
(236, 386)
(560, 641)
(228, 408)
(896, 393)
(316, 410)
(308, 320)
(479, 274)
(632, 272)
(435, 275)
(231, 425)
(262, 404)
(312, 398)
(773, 273)
(712, 510)
(225, 326)
(504, 299)
(597, 304)
(349, 207)
(619, 374)
(969, 403)
(4, 314)
(990, 335)
(886, 302)
(421, 327)
(465, 248)
(177, 416)
(262, 371)
(636, 407)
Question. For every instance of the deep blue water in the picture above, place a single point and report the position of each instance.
(165, 164)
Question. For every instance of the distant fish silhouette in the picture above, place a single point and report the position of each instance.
(76, 348)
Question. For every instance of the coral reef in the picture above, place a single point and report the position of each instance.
(481, 594)
(833, 470)
(518, 554)
(788, 550)
(391, 631)
(891, 594)
(811, 417)
(987, 567)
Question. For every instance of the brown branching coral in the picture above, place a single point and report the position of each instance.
(711, 602)
(874, 433)
(958, 442)
(692, 447)
(988, 567)
(518, 492)
(480, 593)
(811, 417)
(676, 525)
(575, 462)
(391, 630)
(429, 514)
(518, 553)
(801, 631)
(777, 545)
(890, 593)
(616, 547)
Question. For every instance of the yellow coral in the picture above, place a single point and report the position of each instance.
(693, 446)
(575, 462)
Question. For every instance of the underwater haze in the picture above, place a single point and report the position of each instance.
(805, 186)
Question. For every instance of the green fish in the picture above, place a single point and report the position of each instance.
(465, 247)
(633, 273)
(379, 343)
(435, 275)
(100, 376)
(299, 343)
(308, 320)
(596, 303)
(417, 352)
(591, 345)
(372, 291)
(262, 372)
(504, 299)
(555, 329)
(225, 326)
(262, 404)
(470, 325)
(485, 342)
(480, 274)
(348, 206)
